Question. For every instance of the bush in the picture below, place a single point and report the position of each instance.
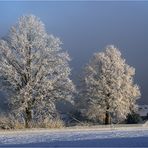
(133, 118)
(18, 125)
(6, 122)
(52, 123)
(57, 123)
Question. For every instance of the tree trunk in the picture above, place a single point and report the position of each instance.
(107, 113)
(107, 118)
(28, 117)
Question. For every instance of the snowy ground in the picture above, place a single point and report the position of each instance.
(125, 137)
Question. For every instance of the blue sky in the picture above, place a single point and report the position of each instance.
(86, 27)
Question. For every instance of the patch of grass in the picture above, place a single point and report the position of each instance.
(6, 122)
(53, 123)
(9, 123)
(18, 125)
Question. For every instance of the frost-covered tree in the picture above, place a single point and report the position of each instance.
(34, 70)
(108, 88)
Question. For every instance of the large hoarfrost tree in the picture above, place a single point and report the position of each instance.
(34, 70)
(109, 90)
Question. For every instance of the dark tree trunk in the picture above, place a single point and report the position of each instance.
(107, 118)
(28, 118)
(107, 113)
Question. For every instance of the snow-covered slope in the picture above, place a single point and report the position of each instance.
(71, 138)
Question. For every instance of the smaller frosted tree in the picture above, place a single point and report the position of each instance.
(108, 88)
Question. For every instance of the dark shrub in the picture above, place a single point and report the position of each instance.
(133, 118)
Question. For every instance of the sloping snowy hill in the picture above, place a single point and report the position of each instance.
(77, 137)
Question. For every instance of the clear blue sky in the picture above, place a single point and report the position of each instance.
(87, 27)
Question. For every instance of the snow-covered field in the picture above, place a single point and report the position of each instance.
(114, 137)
